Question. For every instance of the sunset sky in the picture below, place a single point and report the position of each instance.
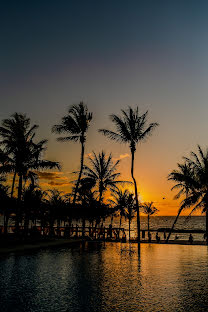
(110, 54)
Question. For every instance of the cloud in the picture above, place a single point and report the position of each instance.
(88, 155)
(55, 178)
(50, 175)
(122, 156)
(52, 183)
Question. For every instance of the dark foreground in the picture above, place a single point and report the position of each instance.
(106, 277)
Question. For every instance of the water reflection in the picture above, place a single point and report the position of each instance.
(107, 277)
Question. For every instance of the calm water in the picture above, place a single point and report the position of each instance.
(110, 277)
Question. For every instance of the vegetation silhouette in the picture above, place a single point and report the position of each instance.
(75, 126)
(24, 156)
(149, 210)
(102, 174)
(119, 200)
(131, 128)
(129, 211)
(191, 179)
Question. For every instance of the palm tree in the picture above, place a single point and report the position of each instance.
(16, 135)
(75, 125)
(56, 204)
(23, 154)
(130, 210)
(183, 176)
(120, 198)
(149, 210)
(102, 175)
(131, 128)
(192, 180)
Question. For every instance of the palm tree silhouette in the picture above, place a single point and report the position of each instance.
(75, 125)
(24, 156)
(183, 177)
(102, 175)
(120, 198)
(130, 210)
(131, 128)
(192, 181)
(149, 210)
(16, 134)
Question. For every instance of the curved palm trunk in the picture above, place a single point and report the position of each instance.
(80, 173)
(136, 194)
(176, 219)
(13, 183)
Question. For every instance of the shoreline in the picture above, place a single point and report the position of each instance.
(39, 245)
(24, 247)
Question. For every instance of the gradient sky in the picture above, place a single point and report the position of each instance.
(110, 54)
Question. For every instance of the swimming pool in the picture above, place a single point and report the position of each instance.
(106, 277)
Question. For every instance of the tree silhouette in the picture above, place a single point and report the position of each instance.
(102, 175)
(75, 126)
(149, 210)
(24, 156)
(131, 128)
(192, 181)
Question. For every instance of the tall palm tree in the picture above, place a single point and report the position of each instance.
(149, 210)
(192, 180)
(75, 126)
(102, 175)
(131, 128)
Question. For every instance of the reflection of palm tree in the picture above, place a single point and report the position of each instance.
(102, 175)
(130, 210)
(75, 125)
(149, 210)
(192, 180)
(131, 128)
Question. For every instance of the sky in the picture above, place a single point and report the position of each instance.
(111, 55)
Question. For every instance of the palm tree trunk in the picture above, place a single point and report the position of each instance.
(100, 194)
(6, 219)
(136, 194)
(176, 219)
(20, 188)
(129, 229)
(19, 202)
(13, 183)
(148, 227)
(80, 173)
(83, 227)
(207, 226)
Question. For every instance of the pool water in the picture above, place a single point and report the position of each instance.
(106, 277)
